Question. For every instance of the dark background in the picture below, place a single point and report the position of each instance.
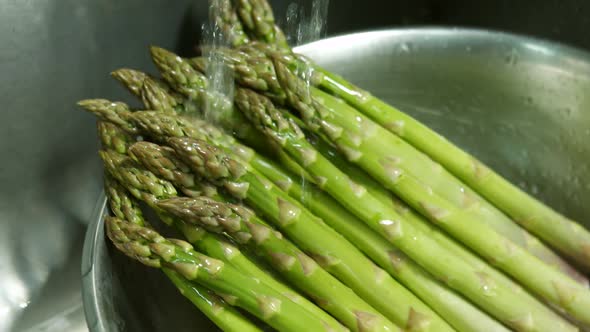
(55, 52)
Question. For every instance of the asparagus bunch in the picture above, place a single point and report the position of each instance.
(331, 294)
(149, 188)
(334, 253)
(126, 208)
(562, 233)
(502, 252)
(227, 318)
(462, 315)
(151, 249)
(254, 68)
(382, 218)
(336, 159)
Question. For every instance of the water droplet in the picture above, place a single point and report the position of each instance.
(512, 58)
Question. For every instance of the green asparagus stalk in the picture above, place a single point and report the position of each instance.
(224, 316)
(285, 183)
(462, 315)
(247, 229)
(150, 248)
(481, 288)
(145, 186)
(338, 299)
(333, 252)
(126, 209)
(262, 165)
(122, 205)
(566, 235)
(212, 245)
(114, 112)
(255, 70)
(162, 161)
(362, 141)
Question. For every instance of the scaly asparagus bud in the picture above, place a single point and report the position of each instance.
(150, 248)
(179, 73)
(122, 205)
(131, 79)
(164, 162)
(113, 137)
(224, 16)
(140, 182)
(258, 19)
(156, 97)
(211, 163)
(115, 112)
(262, 113)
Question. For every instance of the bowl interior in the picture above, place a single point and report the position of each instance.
(516, 103)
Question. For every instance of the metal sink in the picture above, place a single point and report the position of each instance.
(56, 52)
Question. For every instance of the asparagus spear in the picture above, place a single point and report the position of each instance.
(258, 19)
(224, 316)
(150, 248)
(115, 112)
(113, 137)
(145, 186)
(254, 69)
(126, 209)
(286, 257)
(564, 234)
(223, 16)
(263, 165)
(333, 252)
(461, 314)
(362, 143)
(131, 79)
(212, 245)
(266, 167)
(336, 298)
(481, 288)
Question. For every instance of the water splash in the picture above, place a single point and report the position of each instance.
(300, 29)
(220, 88)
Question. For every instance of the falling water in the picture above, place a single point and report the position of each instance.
(300, 29)
(219, 75)
(302, 25)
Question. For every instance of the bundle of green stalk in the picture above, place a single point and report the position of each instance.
(366, 220)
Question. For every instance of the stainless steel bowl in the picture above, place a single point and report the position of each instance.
(518, 104)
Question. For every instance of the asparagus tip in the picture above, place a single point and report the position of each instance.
(132, 79)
